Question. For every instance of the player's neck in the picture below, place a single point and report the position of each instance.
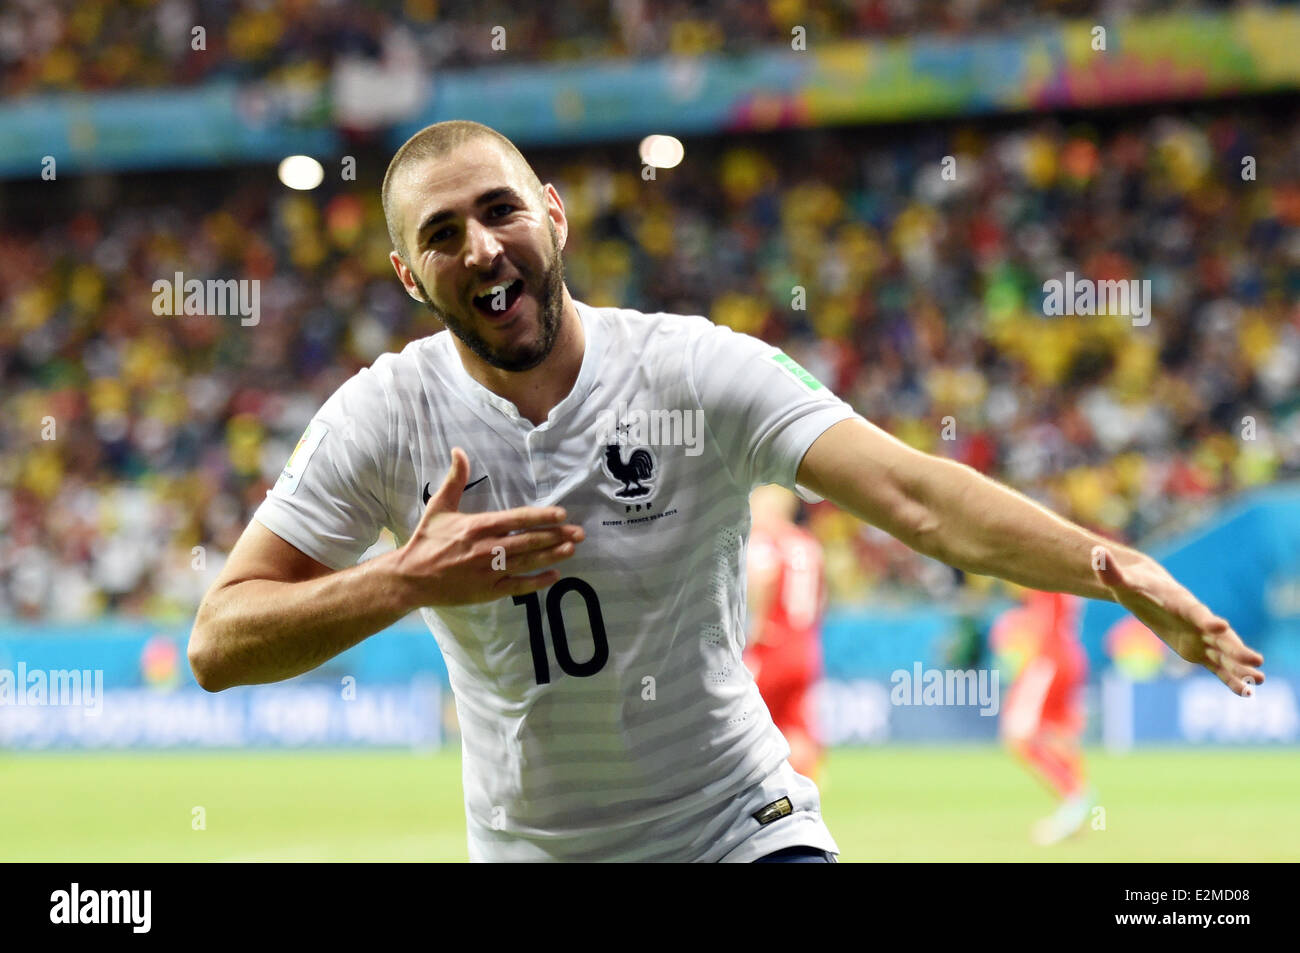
(534, 392)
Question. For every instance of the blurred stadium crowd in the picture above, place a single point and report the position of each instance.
(60, 45)
(923, 309)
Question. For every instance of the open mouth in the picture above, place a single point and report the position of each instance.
(497, 301)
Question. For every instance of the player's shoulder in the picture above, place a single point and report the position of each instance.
(394, 371)
(410, 361)
(642, 330)
(668, 346)
(383, 386)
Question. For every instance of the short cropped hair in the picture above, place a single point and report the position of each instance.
(436, 141)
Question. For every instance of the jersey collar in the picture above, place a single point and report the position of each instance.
(491, 407)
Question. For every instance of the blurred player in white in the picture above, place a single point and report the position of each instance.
(605, 712)
(786, 599)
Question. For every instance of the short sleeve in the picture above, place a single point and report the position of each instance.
(330, 498)
(763, 409)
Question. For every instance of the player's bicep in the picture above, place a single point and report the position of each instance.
(330, 499)
(872, 474)
(261, 554)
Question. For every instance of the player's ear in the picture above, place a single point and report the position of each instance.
(405, 276)
(555, 208)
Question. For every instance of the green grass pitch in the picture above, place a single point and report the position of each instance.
(886, 804)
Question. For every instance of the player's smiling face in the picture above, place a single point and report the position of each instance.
(483, 253)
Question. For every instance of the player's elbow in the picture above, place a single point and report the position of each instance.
(203, 666)
(202, 653)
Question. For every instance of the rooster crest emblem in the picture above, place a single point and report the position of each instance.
(636, 474)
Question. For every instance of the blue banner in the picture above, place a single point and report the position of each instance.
(1199, 710)
(281, 716)
(220, 124)
(1061, 64)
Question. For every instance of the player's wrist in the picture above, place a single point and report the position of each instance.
(399, 582)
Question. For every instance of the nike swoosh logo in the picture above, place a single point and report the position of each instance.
(426, 494)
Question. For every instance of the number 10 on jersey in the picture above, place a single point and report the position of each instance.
(555, 616)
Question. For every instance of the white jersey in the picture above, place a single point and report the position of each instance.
(608, 717)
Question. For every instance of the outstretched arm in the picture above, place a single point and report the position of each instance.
(949, 511)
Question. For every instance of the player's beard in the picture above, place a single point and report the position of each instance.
(550, 304)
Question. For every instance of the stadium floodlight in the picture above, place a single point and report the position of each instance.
(662, 152)
(301, 172)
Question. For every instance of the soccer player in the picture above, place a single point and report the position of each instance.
(569, 491)
(1042, 718)
(786, 597)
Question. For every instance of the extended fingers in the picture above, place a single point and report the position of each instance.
(1236, 664)
(532, 540)
(1242, 684)
(505, 522)
(522, 585)
(537, 558)
(1241, 658)
(527, 551)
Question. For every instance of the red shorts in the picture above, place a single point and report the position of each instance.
(788, 698)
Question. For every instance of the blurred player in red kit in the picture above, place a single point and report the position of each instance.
(786, 600)
(1043, 716)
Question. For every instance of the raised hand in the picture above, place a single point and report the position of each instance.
(456, 558)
